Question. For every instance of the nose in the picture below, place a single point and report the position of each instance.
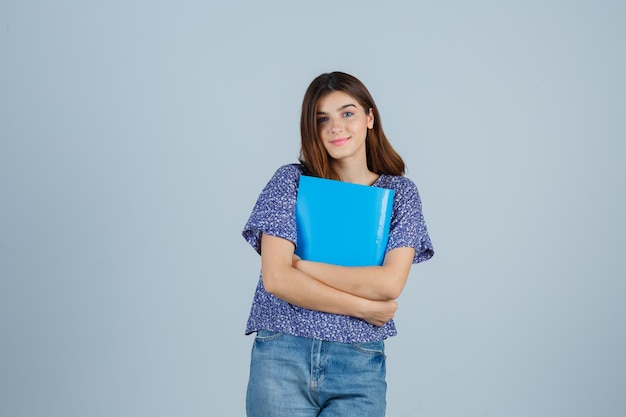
(337, 125)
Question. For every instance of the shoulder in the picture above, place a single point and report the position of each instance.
(400, 184)
(284, 177)
(288, 173)
(273, 213)
(406, 196)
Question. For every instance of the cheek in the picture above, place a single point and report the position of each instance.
(361, 127)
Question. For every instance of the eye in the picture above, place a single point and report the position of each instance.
(348, 114)
(322, 119)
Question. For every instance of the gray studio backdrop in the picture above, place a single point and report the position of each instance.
(135, 137)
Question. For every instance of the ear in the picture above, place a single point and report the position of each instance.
(370, 118)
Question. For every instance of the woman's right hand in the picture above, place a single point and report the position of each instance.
(378, 313)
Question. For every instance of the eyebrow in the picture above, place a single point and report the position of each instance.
(345, 106)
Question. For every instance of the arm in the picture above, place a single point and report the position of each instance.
(282, 280)
(372, 282)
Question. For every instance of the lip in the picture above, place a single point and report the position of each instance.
(339, 141)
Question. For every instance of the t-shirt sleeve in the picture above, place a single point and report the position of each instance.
(274, 211)
(408, 228)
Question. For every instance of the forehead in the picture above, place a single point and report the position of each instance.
(334, 100)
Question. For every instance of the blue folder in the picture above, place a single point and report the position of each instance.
(342, 223)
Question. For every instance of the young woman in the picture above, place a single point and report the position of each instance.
(319, 348)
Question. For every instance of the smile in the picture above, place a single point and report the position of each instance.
(339, 141)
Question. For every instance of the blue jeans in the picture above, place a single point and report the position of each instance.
(293, 376)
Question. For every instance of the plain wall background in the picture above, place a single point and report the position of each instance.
(135, 137)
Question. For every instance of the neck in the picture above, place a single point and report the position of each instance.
(355, 174)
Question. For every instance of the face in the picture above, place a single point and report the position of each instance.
(342, 125)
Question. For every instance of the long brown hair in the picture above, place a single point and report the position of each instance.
(381, 157)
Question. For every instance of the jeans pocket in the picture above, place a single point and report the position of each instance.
(376, 347)
(266, 335)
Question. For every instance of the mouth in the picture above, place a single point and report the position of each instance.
(339, 141)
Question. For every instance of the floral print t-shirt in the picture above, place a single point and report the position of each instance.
(274, 214)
